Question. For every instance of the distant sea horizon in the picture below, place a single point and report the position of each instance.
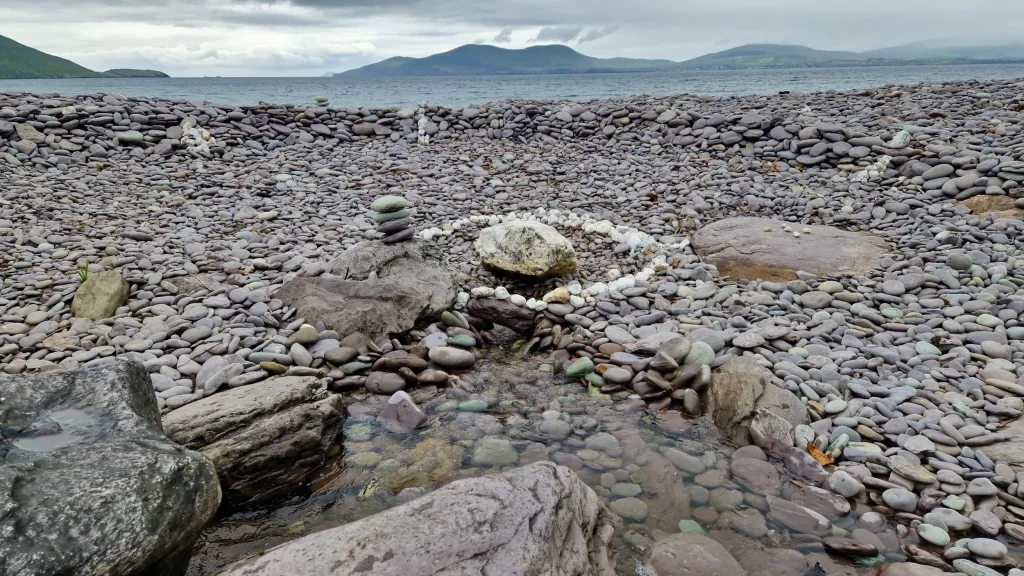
(460, 91)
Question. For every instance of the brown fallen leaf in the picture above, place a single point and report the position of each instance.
(821, 457)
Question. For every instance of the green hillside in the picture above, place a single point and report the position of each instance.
(132, 73)
(20, 61)
(482, 60)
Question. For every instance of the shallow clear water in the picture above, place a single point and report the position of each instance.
(461, 91)
(377, 466)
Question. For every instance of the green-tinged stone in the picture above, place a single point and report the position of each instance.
(700, 353)
(870, 561)
(837, 531)
(933, 534)
(462, 340)
(381, 218)
(632, 509)
(333, 451)
(472, 406)
(450, 319)
(595, 391)
(835, 406)
(362, 432)
(355, 367)
(927, 348)
(341, 355)
(955, 502)
(494, 452)
(388, 204)
(595, 379)
(692, 527)
(626, 490)
(579, 368)
(364, 459)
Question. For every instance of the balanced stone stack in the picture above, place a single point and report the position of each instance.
(393, 215)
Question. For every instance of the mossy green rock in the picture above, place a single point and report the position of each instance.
(359, 432)
(472, 406)
(364, 459)
(100, 296)
(579, 368)
(341, 355)
(381, 217)
(355, 367)
(462, 341)
(692, 527)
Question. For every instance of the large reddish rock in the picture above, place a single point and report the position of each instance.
(761, 248)
(692, 555)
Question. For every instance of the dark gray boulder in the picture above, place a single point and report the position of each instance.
(377, 289)
(89, 484)
(538, 519)
(518, 318)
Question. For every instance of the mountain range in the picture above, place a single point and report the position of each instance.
(20, 61)
(484, 60)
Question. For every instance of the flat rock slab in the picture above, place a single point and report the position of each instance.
(538, 519)
(1002, 206)
(377, 289)
(742, 248)
(89, 484)
(1011, 450)
(263, 438)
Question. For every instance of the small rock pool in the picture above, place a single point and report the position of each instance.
(660, 472)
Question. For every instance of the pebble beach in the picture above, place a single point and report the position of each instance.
(815, 299)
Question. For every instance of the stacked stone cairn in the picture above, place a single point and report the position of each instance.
(393, 215)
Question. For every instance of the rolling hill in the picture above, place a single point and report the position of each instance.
(483, 60)
(770, 56)
(945, 50)
(20, 61)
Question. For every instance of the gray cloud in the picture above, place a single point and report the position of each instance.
(309, 37)
(503, 37)
(597, 34)
(557, 34)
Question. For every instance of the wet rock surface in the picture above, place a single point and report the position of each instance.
(264, 437)
(541, 516)
(89, 481)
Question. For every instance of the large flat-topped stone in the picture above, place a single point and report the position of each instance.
(538, 519)
(761, 248)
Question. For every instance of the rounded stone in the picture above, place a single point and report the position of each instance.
(452, 358)
(630, 509)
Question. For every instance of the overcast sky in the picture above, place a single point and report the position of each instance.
(311, 37)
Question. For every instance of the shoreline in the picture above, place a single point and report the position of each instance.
(426, 85)
(902, 357)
